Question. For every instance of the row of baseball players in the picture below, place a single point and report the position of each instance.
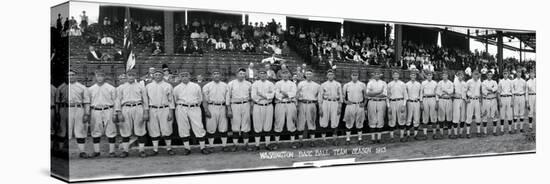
(135, 109)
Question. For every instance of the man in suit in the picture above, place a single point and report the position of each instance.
(251, 72)
(118, 55)
(184, 49)
(93, 55)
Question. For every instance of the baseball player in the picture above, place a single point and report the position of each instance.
(354, 114)
(429, 104)
(308, 95)
(531, 97)
(473, 103)
(459, 108)
(263, 92)
(237, 100)
(61, 106)
(397, 92)
(102, 100)
(214, 108)
(331, 99)
(132, 109)
(414, 98)
(78, 110)
(489, 105)
(519, 89)
(445, 90)
(161, 107)
(285, 107)
(505, 97)
(377, 91)
(188, 98)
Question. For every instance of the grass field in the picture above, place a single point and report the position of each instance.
(133, 166)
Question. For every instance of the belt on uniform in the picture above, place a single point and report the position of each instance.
(476, 98)
(132, 104)
(266, 104)
(102, 108)
(218, 104)
(63, 105)
(444, 98)
(356, 102)
(429, 96)
(532, 93)
(308, 101)
(189, 105)
(287, 102)
(519, 94)
(158, 107)
(378, 99)
(241, 102)
(505, 95)
(413, 101)
(490, 98)
(76, 105)
(396, 99)
(332, 100)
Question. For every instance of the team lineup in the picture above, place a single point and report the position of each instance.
(242, 109)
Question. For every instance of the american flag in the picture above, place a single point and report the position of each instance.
(128, 50)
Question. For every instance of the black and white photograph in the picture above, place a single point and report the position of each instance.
(142, 91)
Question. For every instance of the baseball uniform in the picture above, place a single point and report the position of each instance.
(519, 89)
(445, 90)
(459, 108)
(161, 101)
(132, 101)
(505, 91)
(331, 97)
(102, 101)
(262, 94)
(473, 94)
(489, 106)
(308, 94)
(238, 97)
(77, 97)
(429, 99)
(413, 102)
(376, 107)
(354, 114)
(531, 96)
(214, 95)
(285, 108)
(397, 92)
(188, 97)
(62, 100)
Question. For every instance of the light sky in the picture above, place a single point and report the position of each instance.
(92, 10)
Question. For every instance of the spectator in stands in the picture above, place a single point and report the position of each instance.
(93, 55)
(195, 35)
(247, 47)
(468, 71)
(157, 49)
(149, 76)
(83, 21)
(251, 72)
(72, 22)
(204, 34)
(107, 40)
(157, 28)
(220, 44)
(196, 24)
(270, 73)
(283, 68)
(184, 49)
(427, 67)
(106, 21)
(195, 49)
(75, 31)
(273, 60)
(118, 55)
(230, 44)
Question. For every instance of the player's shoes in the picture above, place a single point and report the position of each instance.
(360, 142)
(403, 139)
(347, 143)
(521, 130)
(124, 154)
(154, 153)
(435, 137)
(83, 155)
(205, 151)
(468, 136)
(250, 148)
(170, 152)
(142, 154)
(312, 144)
(452, 136)
(226, 149)
(112, 154)
(95, 154)
(187, 151)
(274, 146)
(335, 142)
(495, 134)
(233, 148)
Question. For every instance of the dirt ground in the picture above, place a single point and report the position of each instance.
(134, 166)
